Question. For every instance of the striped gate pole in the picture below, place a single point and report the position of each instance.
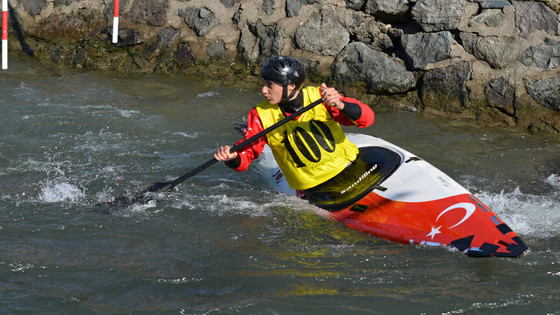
(4, 34)
(115, 21)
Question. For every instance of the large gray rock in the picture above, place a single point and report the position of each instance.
(372, 33)
(33, 7)
(546, 56)
(498, 52)
(128, 37)
(58, 3)
(268, 6)
(445, 88)
(216, 50)
(436, 15)
(533, 16)
(388, 9)
(184, 54)
(501, 95)
(269, 37)
(322, 33)
(230, 3)
(293, 6)
(495, 18)
(493, 4)
(151, 12)
(546, 91)
(164, 40)
(359, 63)
(421, 49)
(355, 4)
(259, 42)
(200, 20)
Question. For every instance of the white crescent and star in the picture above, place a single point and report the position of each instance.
(469, 210)
(434, 232)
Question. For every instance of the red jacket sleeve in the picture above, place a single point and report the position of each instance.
(252, 151)
(366, 118)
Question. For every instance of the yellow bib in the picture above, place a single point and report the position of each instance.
(311, 149)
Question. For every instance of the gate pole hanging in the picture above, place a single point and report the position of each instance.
(115, 21)
(4, 34)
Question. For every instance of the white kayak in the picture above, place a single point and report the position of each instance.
(393, 194)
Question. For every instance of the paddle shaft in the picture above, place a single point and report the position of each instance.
(245, 143)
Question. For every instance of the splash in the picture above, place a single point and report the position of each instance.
(553, 180)
(207, 94)
(60, 191)
(529, 215)
(128, 113)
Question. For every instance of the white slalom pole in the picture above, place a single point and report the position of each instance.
(115, 21)
(4, 34)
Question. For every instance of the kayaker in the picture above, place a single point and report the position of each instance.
(310, 149)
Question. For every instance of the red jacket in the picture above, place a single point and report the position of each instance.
(254, 126)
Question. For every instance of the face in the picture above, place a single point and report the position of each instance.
(272, 91)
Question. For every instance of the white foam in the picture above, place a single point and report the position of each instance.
(553, 180)
(186, 135)
(207, 94)
(128, 113)
(59, 191)
(526, 214)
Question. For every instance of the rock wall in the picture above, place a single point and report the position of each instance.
(493, 61)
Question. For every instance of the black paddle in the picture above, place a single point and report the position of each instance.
(139, 193)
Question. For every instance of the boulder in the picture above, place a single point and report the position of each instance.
(58, 3)
(534, 16)
(445, 88)
(216, 50)
(259, 42)
(501, 95)
(151, 12)
(268, 6)
(545, 56)
(493, 4)
(435, 15)
(498, 52)
(355, 4)
(128, 37)
(293, 6)
(34, 7)
(184, 54)
(164, 40)
(421, 49)
(230, 3)
(372, 33)
(494, 18)
(381, 74)
(546, 91)
(390, 10)
(200, 20)
(322, 33)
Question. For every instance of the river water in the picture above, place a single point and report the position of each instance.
(225, 242)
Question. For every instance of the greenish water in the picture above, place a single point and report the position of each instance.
(225, 242)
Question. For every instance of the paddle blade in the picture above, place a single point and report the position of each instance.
(137, 194)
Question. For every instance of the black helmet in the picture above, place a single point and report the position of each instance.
(283, 70)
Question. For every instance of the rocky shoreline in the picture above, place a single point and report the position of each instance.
(495, 62)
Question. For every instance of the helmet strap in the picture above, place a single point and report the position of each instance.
(285, 92)
(285, 96)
